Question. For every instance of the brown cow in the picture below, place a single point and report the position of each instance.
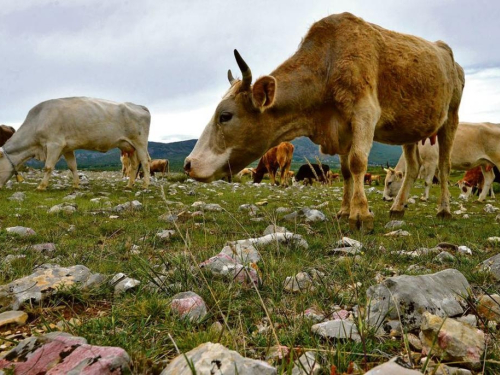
(157, 166)
(277, 157)
(332, 177)
(5, 133)
(474, 179)
(350, 83)
(367, 179)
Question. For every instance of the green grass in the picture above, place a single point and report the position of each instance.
(141, 321)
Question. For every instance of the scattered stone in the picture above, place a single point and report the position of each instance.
(224, 265)
(392, 368)
(464, 250)
(411, 200)
(44, 247)
(123, 283)
(128, 206)
(214, 358)
(212, 207)
(314, 315)
(169, 218)
(445, 257)
(274, 229)
(251, 208)
(423, 251)
(346, 246)
(307, 364)
(287, 237)
(492, 265)
(47, 280)
(442, 369)
(13, 317)
(488, 208)
(17, 196)
(165, 234)
(489, 307)
(451, 340)
(398, 233)
(277, 353)
(447, 246)
(243, 254)
(64, 208)
(494, 240)
(407, 297)
(394, 224)
(468, 319)
(414, 342)
(261, 203)
(21, 231)
(282, 210)
(300, 283)
(309, 215)
(349, 242)
(337, 329)
(189, 305)
(61, 353)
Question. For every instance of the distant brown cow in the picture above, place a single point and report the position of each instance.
(277, 157)
(368, 179)
(5, 133)
(473, 179)
(157, 166)
(376, 178)
(332, 177)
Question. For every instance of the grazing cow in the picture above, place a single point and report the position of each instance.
(472, 181)
(159, 166)
(349, 83)
(332, 177)
(277, 157)
(126, 163)
(306, 174)
(475, 144)
(368, 179)
(5, 133)
(60, 126)
(246, 171)
(376, 179)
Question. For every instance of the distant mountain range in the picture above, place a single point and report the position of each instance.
(176, 152)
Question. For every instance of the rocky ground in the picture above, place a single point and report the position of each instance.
(239, 278)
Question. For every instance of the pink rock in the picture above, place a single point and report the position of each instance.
(189, 305)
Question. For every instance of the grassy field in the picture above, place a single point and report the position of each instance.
(141, 322)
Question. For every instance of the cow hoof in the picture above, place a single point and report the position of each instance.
(423, 199)
(365, 225)
(445, 215)
(41, 188)
(396, 214)
(343, 214)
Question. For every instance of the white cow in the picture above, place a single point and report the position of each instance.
(58, 127)
(475, 144)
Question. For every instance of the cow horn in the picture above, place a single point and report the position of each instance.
(245, 70)
(230, 77)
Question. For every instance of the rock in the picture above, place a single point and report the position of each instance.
(274, 229)
(494, 240)
(445, 257)
(123, 283)
(189, 305)
(61, 353)
(300, 283)
(468, 319)
(337, 329)
(169, 218)
(277, 353)
(21, 231)
(492, 265)
(44, 247)
(349, 242)
(128, 206)
(13, 317)
(287, 237)
(398, 233)
(213, 358)
(307, 364)
(314, 315)
(64, 208)
(44, 282)
(394, 224)
(489, 307)
(243, 254)
(411, 200)
(419, 252)
(442, 369)
(282, 210)
(309, 215)
(488, 208)
(251, 208)
(17, 196)
(212, 207)
(464, 250)
(414, 341)
(447, 246)
(224, 265)
(392, 368)
(165, 234)
(407, 297)
(451, 340)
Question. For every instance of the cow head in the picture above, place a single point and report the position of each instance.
(6, 169)
(239, 130)
(465, 189)
(393, 182)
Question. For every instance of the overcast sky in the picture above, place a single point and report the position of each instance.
(173, 55)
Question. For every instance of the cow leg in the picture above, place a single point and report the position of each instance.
(143, 156)
(428, 177)
(489, 176)
(71, 161)
(272, 176)
(446, 135)
(410, 153)
(133, 170)
(53, 155)
(345, 208)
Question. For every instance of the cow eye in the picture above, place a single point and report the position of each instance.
(389, 183)
(225, 117)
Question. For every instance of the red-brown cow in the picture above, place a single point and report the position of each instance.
(277, 157)
(5, 133)
(474, 179)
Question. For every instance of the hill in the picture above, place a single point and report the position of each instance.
(176, 152)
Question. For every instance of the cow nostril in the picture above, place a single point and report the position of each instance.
(187, 166)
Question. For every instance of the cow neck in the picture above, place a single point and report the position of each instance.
(17, 153)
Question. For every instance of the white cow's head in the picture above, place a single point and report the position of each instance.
(465, 189)
(6, 168)
(240, 130)
(393, 182)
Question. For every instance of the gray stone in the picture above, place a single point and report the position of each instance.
(307, 364)
(394, 224)
(224, 265)
(128, 206)
(458, 342)
(189, 305)
(492, 265)
(398, 233)
(13, 317)
(407, 297)
(21, 231)
(210, 358)
(489, 307)
(165, 234)
(47, 280)
(251, 208)
(287, 238)
(44, 247)
(309, 215)
(445, 257)
(488, 208)
(61, 353)
(18, 196)
(300, 283)
(274, 229)
(122, 283)
(169, 218)
(63, 207)
(212, 207)
(349, 242)
(243, 254)
(464, 250)
(442, 369)
(392, 368)
(337, 329)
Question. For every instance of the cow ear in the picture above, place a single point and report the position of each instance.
(399, 175)
(264, 92)
(1, 154)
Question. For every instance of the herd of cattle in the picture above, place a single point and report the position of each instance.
(349, 83)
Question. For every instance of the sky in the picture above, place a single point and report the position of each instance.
(173, 55)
